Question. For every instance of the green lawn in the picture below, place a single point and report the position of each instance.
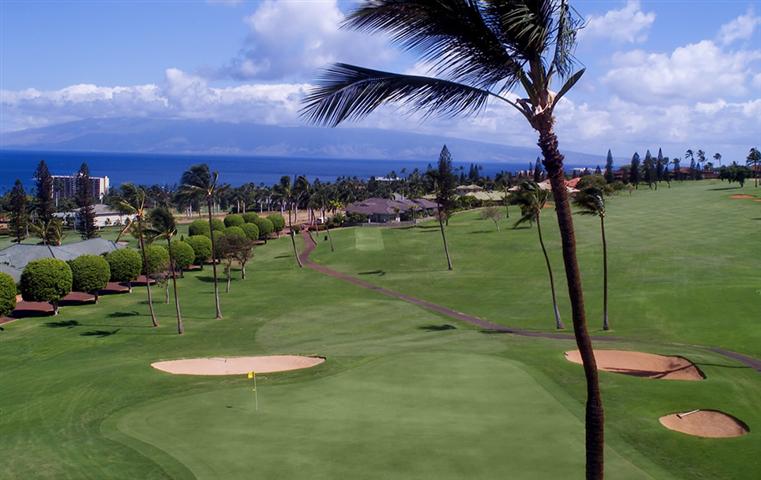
(401, 395)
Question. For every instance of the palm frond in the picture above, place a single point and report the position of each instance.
(450, 35)
(524, 26)
(590, 201)
(348, 92)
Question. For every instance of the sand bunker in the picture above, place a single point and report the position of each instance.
(237, 365)
(741, 196)
(705, 423)
(642, 364)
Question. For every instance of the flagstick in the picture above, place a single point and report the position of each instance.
(256, 396)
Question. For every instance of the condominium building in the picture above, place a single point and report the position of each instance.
(65, 186)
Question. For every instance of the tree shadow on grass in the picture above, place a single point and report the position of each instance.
(284, 256)
(724, 188)
(62, 324)
(124, 314)
(222, 279)
(380, 273)
(437, 328)
(99, 333)
(483, 231)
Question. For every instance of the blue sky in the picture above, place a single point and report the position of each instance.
(682, 74)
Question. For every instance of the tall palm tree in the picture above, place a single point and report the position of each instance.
(286, 192)
(198, 182)
(531, 199)
(592, 202)
(132, 202)
(164, 226)
(481, 50)
(753, 160)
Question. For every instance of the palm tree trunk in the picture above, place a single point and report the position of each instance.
(293, 239)
(214, 263)
(558, 322)
(228, 270)
(595, 416)
(444, 238)
(330, 238)
(605, 324)
(180, 326)
(141, 239)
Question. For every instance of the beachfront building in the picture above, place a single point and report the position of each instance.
(65, 187)
(14, 258)
(384, 210)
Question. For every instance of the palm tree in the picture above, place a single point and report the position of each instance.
(531, 199)
(754, 161)
(481, 50)
(164, 226)
(132, 202)
(592, 202)
(285, 191)
(717, 157)
(199, 182)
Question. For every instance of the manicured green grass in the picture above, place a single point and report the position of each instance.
(684, 266)
(404, 393)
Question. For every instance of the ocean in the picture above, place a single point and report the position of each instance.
(235, 170)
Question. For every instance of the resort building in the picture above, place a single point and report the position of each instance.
(105, 216)
(65, 186)
(384, 210)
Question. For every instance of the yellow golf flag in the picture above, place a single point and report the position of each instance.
(251, 375)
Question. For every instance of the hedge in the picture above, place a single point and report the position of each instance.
(183, 254)
(251, 231)
(265, 227)
(234, 220)
(7, 294)
(199, 227)
(125, 263)
(250, 217)
(90, 273)
(157, 258)
(201, 245)
(217, 225)
(46, 280)
(235, 232)
(278, 222)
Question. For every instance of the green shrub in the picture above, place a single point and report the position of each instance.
(201, 245)
(46, 280)
(217, 244)
(183, 254)
(7, 294)
(250, 217)
(125, 264)
(217, 225)
(157, 259)
(354, 218)
(199, 227)
(235, 232)
(337, 220)
(90, 273)
(278, 222)
(265, 227)
(234, 220)
(251, 231)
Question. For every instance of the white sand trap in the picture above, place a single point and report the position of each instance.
(705, 423)
(640, 364)
(237, 365)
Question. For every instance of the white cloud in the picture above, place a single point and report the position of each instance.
(629, 24)
(698, 71)
(741, 28)
(292, 40)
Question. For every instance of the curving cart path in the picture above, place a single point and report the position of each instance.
(310, 245)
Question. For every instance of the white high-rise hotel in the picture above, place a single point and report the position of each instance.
(65, 186)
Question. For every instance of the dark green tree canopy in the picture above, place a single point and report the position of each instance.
(201, 245)
(90, 273)
(125, 264)
(46, 280)
(7, 294)
(183, 254)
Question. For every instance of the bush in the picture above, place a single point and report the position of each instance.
(183, 254)
(265, 227)
(7, 294)
(217, 244)
(201, 245)
(125, 264)
(250, 217)
(235, 232)
(199, 227)
(217, 225)
(337, 220)
(354, 218)
(278, 222)
(90, 273)
(157, 259)
(46, 280)
(251, 231)
(234, 220)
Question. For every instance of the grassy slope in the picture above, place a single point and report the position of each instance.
(80, 401)
(683, 263)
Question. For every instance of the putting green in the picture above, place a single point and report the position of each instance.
(368, 239)
(469, 415)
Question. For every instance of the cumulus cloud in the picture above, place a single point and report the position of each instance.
(292, 40)
(629, 24)
(741, 28)
(698, 71)
(181, 95)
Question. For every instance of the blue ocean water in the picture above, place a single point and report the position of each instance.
(166, 169)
